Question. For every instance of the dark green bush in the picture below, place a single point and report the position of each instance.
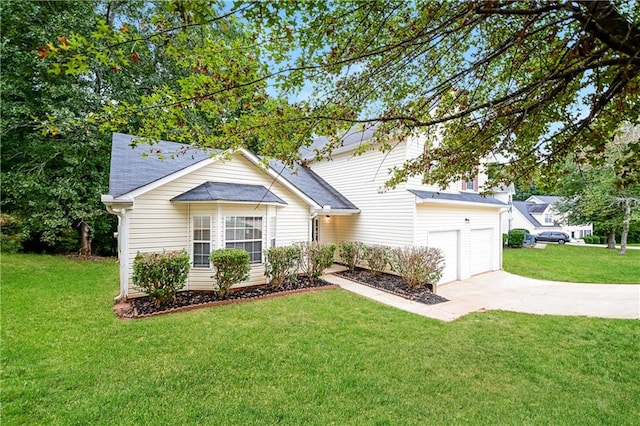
(281, 263)
(505, 239)
(10, 234)
(591, 239)
(350, 253)
(516, 238)
(603, 240)
(418, 266)
(231, 266)
(377, 258)
(161, 275)
(315, 258)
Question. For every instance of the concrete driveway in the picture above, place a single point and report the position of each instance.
(501, 290)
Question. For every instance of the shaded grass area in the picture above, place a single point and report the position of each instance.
(314, 358)
(574, 264)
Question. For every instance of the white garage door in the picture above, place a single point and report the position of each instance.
(481, 252)
(447, 241)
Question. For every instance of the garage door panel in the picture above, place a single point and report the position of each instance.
(448, 242)
(481, 251)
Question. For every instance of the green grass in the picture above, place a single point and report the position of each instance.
(327, 357)
(574, 264)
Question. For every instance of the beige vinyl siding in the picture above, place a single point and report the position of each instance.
(157, 224)
(328, 228)
(449, 217)
(359, 178)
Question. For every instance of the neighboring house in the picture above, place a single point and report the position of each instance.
(537, 214)
(203, 200)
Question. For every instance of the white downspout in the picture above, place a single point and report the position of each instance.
(123, 248)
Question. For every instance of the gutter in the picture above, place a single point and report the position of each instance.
(121, 208)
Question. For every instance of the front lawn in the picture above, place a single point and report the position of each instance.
(327, 357)
(580, 264)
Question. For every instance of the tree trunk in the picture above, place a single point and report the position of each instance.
(625, 226)
(85, 240)
(611, 240)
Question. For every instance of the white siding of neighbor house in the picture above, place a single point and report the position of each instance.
(385, 217)
(157, 224)
(450, 217)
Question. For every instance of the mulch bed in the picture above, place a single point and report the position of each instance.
(140, 307)
(392, 284)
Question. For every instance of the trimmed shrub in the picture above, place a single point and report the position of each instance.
(592, 239)
(516, 238)
(161, 275)
(231, 266)
(281, 263)
(418, 266)
(350, 253)
(603, 240)
(315, 258)
(377, 258)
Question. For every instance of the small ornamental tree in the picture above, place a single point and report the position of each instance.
(418, 266)
(161, 275)
(350, 253)
(377, 258)
(282, 264)
(231, 267)
(315, 258)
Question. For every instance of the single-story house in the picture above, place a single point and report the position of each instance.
(201, 200)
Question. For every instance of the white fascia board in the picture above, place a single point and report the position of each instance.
(249, 203)
(460, 203)
(336, 212)
(278, 177)
(116, 202)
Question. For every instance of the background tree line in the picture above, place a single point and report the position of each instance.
(536, 84)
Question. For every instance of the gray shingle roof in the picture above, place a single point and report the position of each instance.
(468, 197)
(523, 207)
(238, 192)
(316, 188)
(536, 208)
(134, 167)
(548, 199)
(353, 137)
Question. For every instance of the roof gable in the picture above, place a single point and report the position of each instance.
(135, 168)
(523, 208)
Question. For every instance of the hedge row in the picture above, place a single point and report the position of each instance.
(418, 266)
(594, 239)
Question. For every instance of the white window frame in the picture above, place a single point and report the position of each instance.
(548, 218)
(240, 243)
(194, 240)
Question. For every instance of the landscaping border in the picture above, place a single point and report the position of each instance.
(126, 310)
